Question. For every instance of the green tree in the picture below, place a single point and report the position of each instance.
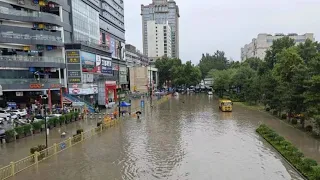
(216, 61)
(276, 48)
(290, 72)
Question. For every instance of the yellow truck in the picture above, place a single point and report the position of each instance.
(225, 105)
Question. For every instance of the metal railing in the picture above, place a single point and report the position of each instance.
(15, 167)
(14, 12)
(32, 58)
(42, 37)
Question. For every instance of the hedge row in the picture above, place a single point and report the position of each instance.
(36, 127)
(308, 167)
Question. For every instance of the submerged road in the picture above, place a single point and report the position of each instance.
(184, 138)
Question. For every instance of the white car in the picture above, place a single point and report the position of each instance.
(19, 113)
(5, 114)
(1, 120)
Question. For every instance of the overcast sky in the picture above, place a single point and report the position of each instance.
(210, 25)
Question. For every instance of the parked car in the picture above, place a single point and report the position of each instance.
(5, 114)
(18, 113)
(1, 120)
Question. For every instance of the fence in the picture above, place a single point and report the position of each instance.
(15, 167)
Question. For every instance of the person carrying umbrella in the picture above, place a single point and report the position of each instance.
(138, 113)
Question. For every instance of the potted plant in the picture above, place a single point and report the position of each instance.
(20, 132)
(62, 119)
(68, 118)
(10, 134)
(50, 124)
(27, 130)
(76, 116)
(36, 126)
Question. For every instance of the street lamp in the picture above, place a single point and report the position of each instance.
(120, 49)
(44, 100)
(150, 83)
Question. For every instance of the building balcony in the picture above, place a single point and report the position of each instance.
(31, 61)
(24, 16)
(29, 84)
(27, 39)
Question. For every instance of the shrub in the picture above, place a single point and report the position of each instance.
(294, 121)
(307, 167)
(51, 121)
(283, 116)
(27, 128)
(307, 164)
(309, 128)
(19, 130)
(62, 119)
(10, 134)
(36, 125)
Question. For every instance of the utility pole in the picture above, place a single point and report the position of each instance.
(150, 84)
(44, 99)
(120, 49)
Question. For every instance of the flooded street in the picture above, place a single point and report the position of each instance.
(184, 138)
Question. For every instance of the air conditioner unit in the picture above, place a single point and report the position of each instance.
(21, 2)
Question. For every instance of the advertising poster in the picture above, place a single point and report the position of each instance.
(112, 47)
(117, 49)
(98, 64)
(106, 66)
(88, 61)
(108, 42)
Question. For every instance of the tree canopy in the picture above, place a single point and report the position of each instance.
(178, 73)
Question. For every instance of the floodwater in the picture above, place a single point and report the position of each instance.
(184, 138)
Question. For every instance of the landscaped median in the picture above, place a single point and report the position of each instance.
(307, 167)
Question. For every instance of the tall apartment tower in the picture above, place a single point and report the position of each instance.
(161, 12)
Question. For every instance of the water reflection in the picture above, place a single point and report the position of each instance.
(186, 138)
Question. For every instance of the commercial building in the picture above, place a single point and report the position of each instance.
(32, 36)
(134, 57)
(141, 78)
(258, 47)
(160, 12)
(98, 47)
(47, 45)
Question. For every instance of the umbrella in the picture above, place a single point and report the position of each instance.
(125, 104)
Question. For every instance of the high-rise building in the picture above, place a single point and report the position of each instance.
(258, 47)
(160, 12)
(32, 36)
(159, 40)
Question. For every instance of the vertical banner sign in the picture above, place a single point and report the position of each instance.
(49, 100)
(74, 69)
(112, 47)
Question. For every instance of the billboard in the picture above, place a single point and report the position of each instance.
(88, 61)
(113, 47)
(106, 66)
(108, 42)
(73, 67)
(116, 49)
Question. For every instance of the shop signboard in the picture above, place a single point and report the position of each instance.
(106, 66)
(83, 91)
(98, 64)
(73, 66)
(88, 62)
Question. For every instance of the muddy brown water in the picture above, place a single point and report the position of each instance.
(184, 138)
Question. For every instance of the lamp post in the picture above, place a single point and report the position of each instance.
(44, 99)
(120, 49)
(150, 83)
